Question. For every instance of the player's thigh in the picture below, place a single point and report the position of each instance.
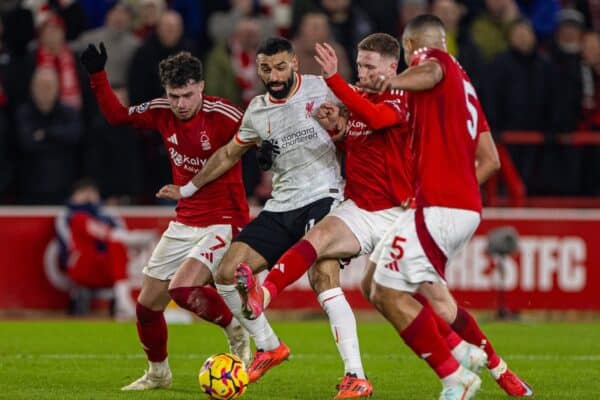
(362, 229)
(324, 275)
(441, 299)
(238, 253)
(154, 294)
(268, 236)
(191, 273)
(172, 249)
(332, 238)
(398, 307)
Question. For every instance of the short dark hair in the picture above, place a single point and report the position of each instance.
(424, 21)
(178, 69)
(381, 43)
(274, 45)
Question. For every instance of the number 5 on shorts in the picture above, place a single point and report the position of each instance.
(397, 246)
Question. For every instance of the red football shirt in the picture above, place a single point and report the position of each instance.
(447, 121)
(377, 148)
(189, 145)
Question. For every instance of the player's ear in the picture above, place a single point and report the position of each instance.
(201, 86)
(295, 63)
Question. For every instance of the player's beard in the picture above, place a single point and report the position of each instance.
(282, 93)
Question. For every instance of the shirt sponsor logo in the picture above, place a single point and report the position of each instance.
(192, 164)
(298, 137)
(357, 128)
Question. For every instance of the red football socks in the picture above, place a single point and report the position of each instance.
(451, 338)
(152, 331)
(422, 336)
(466, 326)
(290, 267)
(204, 301)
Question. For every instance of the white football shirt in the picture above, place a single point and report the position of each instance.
(306, 169)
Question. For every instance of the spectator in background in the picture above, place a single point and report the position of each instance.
(459, 43)
(590, 52)
(149, 12)
(520, 96)
(231, 64)
(93, 249)
(113, 157)
(120, 43)
(222, 24)
(313, 29)
(409, 9)
(349, 25)
(542, 14)
(192, 13)
(71, 12)
(53, 52)
(168, 39)
(489, 29)
(49, 133)
(566, 57)
(589, 8)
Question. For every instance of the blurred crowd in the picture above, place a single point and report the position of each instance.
(535, 63)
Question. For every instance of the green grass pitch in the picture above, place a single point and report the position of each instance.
(92, 360)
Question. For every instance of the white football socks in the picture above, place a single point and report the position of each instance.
(343, 328)
(159, 368)
(260, 329)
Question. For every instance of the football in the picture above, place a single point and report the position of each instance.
(223, 377)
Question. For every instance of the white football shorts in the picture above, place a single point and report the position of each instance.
(368, 227)
(418, 246)
(205, 244)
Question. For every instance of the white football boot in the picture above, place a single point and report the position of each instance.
(470, 356)
(153, 378)
(239, 341)
(460, 385)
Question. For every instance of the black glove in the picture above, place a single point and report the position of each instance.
(266, 153)
(94, 60)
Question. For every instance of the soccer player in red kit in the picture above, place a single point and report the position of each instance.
(446, 123)
(193, 127)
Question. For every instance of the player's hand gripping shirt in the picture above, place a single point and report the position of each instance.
(189, 144)
(446, 126)
(306, 168)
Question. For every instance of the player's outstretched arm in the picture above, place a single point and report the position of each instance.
(486, 157)
(375, 115)
(414, 79)
(94, 60)
(219, 162)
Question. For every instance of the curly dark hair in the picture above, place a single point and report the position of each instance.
(177, 70)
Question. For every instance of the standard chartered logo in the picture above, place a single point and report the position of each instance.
(298, 137)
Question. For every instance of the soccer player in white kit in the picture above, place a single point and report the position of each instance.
(306, 183)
